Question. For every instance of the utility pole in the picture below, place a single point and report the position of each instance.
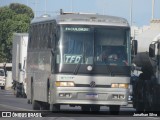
(71, 5)
(45, 6)
(131, 10)
(153, 4)
(35, 7)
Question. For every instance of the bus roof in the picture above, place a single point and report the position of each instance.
(85, 19)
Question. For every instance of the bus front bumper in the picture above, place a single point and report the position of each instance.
(97, 96)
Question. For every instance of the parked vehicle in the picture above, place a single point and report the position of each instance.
(2, 78)
(19, 57)
(147, 88)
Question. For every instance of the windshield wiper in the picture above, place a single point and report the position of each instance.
(76, 68)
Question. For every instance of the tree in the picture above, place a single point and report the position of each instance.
(13, 18)
(21, 9)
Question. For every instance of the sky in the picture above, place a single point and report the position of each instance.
(141, 9)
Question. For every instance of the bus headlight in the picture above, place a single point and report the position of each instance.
(64, 84)
(114, 86)
(121, 85)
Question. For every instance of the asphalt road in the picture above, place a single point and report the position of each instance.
(19, 107)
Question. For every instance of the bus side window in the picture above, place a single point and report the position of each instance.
(53, 62)
(39, 36)
(33, 34)
(34, 43)
(46, 35)
(50, 35)
(53, 39)
(53, 46)
(42, 37)
(30, 37)
(158, 56)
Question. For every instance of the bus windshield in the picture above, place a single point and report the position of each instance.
(98, 45)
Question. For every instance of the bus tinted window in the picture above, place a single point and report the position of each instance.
(42, 35)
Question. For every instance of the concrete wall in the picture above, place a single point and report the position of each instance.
(155, 24)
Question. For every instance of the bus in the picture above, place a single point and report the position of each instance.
(78, 59)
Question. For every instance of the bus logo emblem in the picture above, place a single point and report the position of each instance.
(92, 84)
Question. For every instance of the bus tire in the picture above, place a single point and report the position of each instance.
(24, 95)
(140, 107)
(2, 87)
(114, 109)
(46, 106)
(48, 92)
(54, 108)
(32, 91)
(17, 94)
(29, 101)
(35, 105)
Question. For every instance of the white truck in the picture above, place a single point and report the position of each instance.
(2, 78)
(19, 57)
(147, 86)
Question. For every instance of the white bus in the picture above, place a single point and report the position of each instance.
(79, 60)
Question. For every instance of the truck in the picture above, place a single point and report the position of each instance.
(2, 78)
(146, 89)
(19, 57)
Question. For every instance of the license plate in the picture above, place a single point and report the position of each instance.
(91, 96)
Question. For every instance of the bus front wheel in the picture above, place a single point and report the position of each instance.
(36, 105)
(114, 109)
(54, 108)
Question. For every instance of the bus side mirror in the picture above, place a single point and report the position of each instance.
(134, 47)
(158, 45)
(19, 66)
(57, 33)
(52, 51)
(152, 50)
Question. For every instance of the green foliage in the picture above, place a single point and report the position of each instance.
(6, 13)
(21, 9)
(13, 18)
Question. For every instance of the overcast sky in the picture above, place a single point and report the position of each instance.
(141, 12)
